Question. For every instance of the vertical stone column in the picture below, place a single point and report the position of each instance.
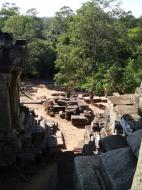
(137, 181)
(5, 112)
(14, 98)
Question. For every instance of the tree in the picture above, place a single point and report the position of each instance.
(41, 59)
(32, 12)
(24, 27)
(91, 41)
(8, 10)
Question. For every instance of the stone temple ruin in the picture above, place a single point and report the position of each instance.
(111, 148)
(24, 136)
(111, 141)
(110, 158)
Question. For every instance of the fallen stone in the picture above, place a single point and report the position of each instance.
(118, 168)
(79, 120)
(134, 141)
(83, 106)
(61, 102)
(113, 142)
(58, 108)
(72, 102)
(96, 99)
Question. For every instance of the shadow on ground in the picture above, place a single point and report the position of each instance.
(65, 164)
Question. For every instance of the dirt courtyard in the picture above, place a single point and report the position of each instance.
(73, 136)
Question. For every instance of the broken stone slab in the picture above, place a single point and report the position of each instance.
(118, 168)
(113, 142)
(87, 99)
(79, 120)
(134, 141)
(58, 108)
(96, 99)
(60, 141)
(85, 177)
(61, 102)
(72, 108)
(71, 102)
(83, 106)
(89, 114)
(59, 137)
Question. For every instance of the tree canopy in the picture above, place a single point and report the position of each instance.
(99, 46)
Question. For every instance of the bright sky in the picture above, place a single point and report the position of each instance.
(49, 7)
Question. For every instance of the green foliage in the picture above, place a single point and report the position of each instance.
(98, 47)
(40, 59)
(96, 50)
(24, 27)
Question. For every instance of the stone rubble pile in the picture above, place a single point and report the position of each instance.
(24, 136)
(111, 148)
(72, 109)
(34, 138)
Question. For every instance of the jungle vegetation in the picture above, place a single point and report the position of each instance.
(99, 46)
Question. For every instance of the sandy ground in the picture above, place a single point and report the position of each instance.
(73, 136)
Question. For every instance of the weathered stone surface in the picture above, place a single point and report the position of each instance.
(71, 102)
(118, 168)
(61, 102)
(96, 99)
(58, 108)
(85, 177)
(113, 142)
(137, 180)
(134, 141)
(83, 106)
(79, 120)
(5, 109)
(70, 110)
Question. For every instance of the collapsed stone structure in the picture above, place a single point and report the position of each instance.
(72, 108)
(117, 140)
(12, 57)
(24, 136)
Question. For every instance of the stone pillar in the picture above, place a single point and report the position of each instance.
(14, 98)
(137, 181)
(5, 111)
